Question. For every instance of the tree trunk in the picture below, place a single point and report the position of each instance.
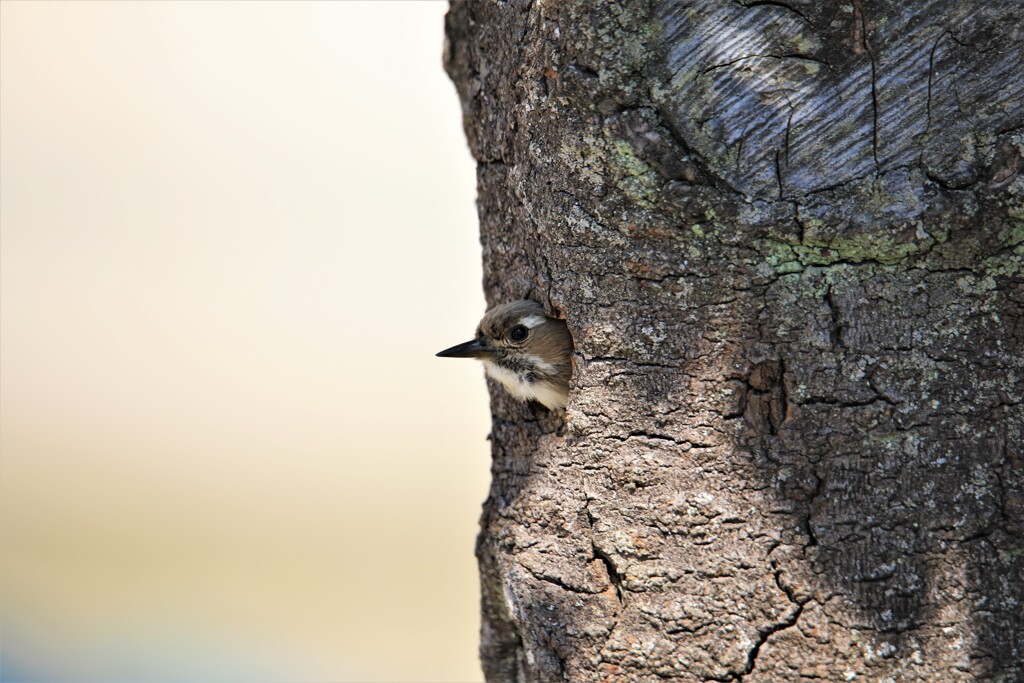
(786, 236)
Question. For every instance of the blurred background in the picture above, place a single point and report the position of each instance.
(232, 237)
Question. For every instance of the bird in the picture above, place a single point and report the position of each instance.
(525, 350)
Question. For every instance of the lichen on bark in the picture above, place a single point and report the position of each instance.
(787, 239)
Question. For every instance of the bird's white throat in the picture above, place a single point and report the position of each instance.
(539, 390)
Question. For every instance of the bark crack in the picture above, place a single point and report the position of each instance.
(778, 175)
(598, 554)
(777, 627)
(762, 638)
(613, 573)
(879, 391)
(767, 55)
(931, 77)
(557, 581)
(789, 126)
(861, 33)
(836, 326)
(614, 578)
(776, 3)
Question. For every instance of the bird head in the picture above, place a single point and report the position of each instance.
(527, 351)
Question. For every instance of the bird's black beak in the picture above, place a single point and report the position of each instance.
(471, 349)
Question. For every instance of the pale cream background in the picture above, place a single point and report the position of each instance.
(232, 236)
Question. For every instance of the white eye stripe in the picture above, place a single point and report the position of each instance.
(532, 321)
(540, 364)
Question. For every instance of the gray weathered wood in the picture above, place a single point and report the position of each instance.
(787, 239)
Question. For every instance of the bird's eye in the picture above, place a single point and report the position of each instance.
(518, 333)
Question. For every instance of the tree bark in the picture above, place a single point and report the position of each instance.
(786, 236)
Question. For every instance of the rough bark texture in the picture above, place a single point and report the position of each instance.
(786, 236)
